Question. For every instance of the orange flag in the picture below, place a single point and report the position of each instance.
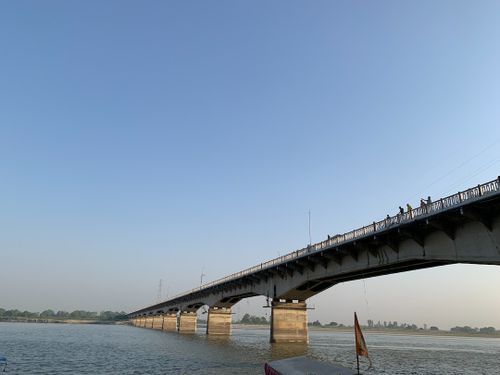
(361, 348)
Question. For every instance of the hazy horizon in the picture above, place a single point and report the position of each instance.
(164, 140)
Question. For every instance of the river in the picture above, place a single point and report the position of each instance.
(118, 349)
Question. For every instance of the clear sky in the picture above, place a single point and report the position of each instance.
(148, 140)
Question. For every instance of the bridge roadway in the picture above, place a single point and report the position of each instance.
(461, 228)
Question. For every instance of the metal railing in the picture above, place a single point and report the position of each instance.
(390, 222)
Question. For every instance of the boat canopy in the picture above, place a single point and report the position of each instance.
(303, 366)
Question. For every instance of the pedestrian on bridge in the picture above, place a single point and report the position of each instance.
(409, 209)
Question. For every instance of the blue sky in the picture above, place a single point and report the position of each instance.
(150, 140)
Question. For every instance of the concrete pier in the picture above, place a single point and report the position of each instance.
(149, 322)
(289, 322)
(219, 321)
(158, 322)
(170, 322)
(187, 322)
(460, 228)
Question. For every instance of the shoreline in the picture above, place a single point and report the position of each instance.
(367, 331)
(378, 331)
(62, 321)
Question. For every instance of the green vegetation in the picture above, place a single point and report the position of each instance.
(251, 319)
(51, 315)
(317, 323)
(409, 327)
(467, 329)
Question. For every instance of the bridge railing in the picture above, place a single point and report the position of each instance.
(442, 204)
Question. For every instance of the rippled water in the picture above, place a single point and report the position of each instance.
(110, 349)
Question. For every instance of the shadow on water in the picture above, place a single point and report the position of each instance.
(279, 351)
(218, 339)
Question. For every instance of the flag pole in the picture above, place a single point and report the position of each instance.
(357, 354)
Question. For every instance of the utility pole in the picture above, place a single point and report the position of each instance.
(310, 241)
(158, 297)
(201, 277)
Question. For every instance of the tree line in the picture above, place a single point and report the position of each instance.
(467, 329)
(251, 319)
(62, 315)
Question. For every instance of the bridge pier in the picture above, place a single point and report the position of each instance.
(187, 322)
(149, 322)
(170, 322)
(219, 321)
(289, 322)
(157, 322)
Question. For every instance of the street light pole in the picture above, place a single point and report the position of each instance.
(201, 277)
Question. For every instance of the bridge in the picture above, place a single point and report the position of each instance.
(460, 228)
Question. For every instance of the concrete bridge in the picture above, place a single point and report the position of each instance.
(461, 228)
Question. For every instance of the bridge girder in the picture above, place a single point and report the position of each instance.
(464, 235)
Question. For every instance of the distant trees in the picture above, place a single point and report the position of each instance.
(112, 315)
(251, 319)
(470, 330)
(81, 314)
(316, 323)
(62, 315)
(487, 330)
(47, 314)
(410, 327)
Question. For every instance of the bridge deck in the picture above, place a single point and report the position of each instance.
(444, 214)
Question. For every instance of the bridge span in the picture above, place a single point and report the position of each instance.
(461, 228)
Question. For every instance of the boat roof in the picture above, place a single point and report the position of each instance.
(304, 365)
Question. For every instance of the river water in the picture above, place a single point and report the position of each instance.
(118, 349)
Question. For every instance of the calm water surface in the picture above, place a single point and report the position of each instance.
(110, 349)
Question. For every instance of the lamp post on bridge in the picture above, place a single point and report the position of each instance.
(201, 277)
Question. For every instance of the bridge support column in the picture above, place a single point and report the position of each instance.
(187, 322)
(158, 322)
(219, 321)
(289, 322)
(149, 322)
(143, 322)
(170, 322)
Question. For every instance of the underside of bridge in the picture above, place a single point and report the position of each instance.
(465, 234)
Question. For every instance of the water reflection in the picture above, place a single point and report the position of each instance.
(87, 349)
(281, 350)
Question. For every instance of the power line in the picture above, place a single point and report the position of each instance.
(466, 161)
